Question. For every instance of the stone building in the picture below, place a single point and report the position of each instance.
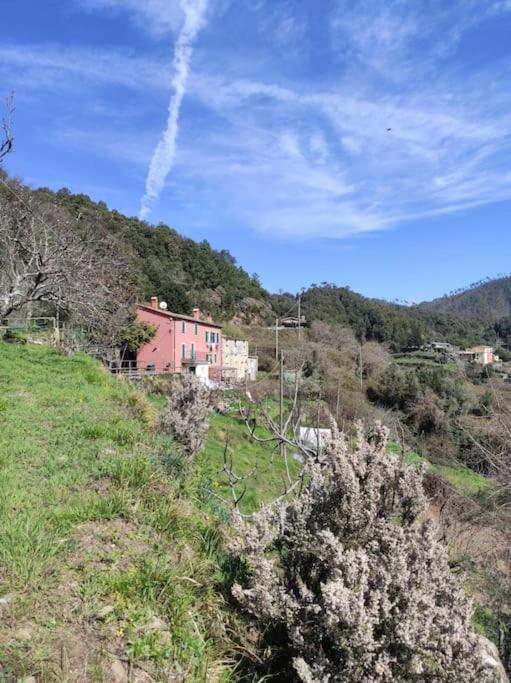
(237, 360)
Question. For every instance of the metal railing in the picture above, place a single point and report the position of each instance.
(197, 357)
(133, 368)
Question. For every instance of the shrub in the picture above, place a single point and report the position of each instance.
(186, 414)
(347, 582)
(137, 334)
(397, 388)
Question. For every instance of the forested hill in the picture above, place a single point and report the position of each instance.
(382, 321)
(181, 271)
(186, 273)
(488, 301)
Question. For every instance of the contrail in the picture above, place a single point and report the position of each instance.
(163, 156)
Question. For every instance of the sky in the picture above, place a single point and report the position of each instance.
(360, 142)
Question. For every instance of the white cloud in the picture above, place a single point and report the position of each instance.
(163, 157)
(332, 167)
(302, 152)
(159, 17)
(47, 67)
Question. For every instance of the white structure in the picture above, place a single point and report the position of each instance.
(236, 359)
(309, 436)
(483, 355)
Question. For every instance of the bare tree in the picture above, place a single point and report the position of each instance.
(48, 256)
(7, 141)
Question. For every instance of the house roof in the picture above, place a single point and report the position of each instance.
(480, 349)
(178, 316)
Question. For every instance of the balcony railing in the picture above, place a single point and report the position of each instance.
(197, 357)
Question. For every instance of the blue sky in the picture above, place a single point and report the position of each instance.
(362, 142)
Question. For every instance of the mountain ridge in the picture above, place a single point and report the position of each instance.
(487, 301)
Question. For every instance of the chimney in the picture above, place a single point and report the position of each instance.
(196, 313)
(154, 302)
(209, 319)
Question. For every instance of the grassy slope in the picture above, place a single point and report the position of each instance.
(260, 463)
(99, 558)
(464, 480)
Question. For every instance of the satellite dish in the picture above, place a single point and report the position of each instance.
(163, 305)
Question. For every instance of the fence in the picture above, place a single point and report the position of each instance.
(43, 326)
(134, 370)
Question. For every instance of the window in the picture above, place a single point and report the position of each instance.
(208, 357)
(183, 351)
(207, 337)
(215, 357)
(183, 327)
(196, 329)
(192, 351)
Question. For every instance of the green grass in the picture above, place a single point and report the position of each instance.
(261, 463)
(88, 519)
(463, 479)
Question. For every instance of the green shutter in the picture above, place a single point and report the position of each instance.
(196, 329)
(183, 327)
(183, 351)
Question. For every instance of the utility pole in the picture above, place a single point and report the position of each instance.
(338, 401)
(360, 365)
(281, 404)
(299, 317)
(276, 338)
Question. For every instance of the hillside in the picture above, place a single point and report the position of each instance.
(381, 321)
(183, 272)
(487, 302)
(97, 548)
(108, 560)
(186, 273)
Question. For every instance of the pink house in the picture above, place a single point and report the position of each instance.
(182, 343)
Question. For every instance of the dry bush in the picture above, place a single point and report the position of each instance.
(186, 414)
(347, 582)
(375, 359)
(426, 415)
(263, 389)
(341, 338)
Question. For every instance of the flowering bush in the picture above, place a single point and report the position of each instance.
(348, 578)
(186, 414)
